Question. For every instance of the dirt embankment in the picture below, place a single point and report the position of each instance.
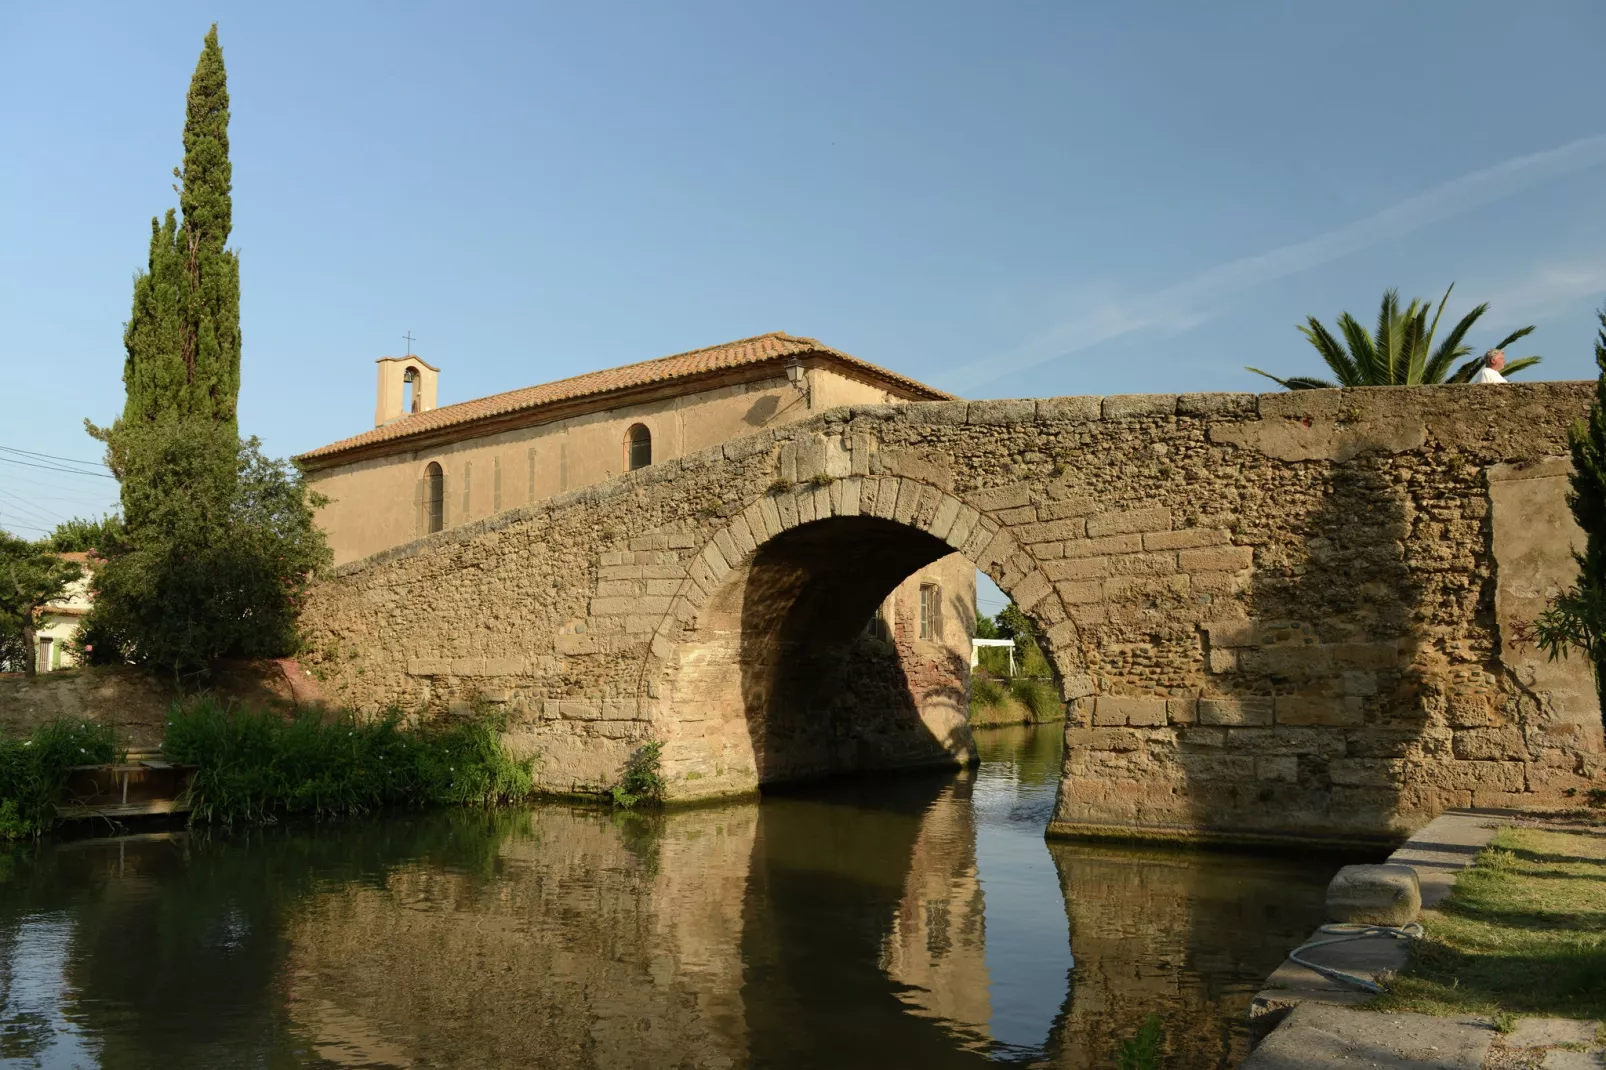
(136, 702)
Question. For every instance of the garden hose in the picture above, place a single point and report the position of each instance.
(1343, 933)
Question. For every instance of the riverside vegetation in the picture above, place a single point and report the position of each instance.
(1523, 932)
(1026, 695)
(33, 772)
(255, 766)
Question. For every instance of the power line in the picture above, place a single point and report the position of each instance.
(31, 512)
(52, 457)
(53, 468)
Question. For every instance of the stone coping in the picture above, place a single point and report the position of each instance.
(1438, 852)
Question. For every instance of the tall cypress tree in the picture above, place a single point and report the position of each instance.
(217, 543)
(183, 338)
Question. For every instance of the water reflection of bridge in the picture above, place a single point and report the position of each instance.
(841, 928)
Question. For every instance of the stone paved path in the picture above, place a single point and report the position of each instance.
(1317, 1036)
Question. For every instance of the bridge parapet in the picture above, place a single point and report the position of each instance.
(1285, 614)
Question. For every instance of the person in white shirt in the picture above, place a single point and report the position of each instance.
(1494, 362)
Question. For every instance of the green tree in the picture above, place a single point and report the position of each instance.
(220, 561)
(81, 534)
(218, 542)
(183, 336)
(31, 574)
(1401, 351)
(1577, 617)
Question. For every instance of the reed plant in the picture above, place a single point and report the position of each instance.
(33, 771)
(254, 765)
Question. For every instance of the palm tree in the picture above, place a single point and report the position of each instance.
(1401, 353)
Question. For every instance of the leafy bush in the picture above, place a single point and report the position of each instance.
(254, 766)
(1038, 694)
(641, 780)
(33, 772)
(986, 692)
(217, 549)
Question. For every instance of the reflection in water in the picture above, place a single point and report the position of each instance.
(900, 921)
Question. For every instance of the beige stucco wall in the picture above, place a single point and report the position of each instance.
(59, 624)
(375, 504)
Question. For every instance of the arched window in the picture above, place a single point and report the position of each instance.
(410, 385)
(638, 446)
(435, 497)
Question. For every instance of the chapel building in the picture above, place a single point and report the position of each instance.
(424, 468)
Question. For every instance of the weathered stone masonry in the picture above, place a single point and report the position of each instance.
(1286, 614)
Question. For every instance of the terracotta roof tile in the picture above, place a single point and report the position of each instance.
(746, 351)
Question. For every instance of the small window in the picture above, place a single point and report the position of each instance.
(410, 384)
(876, 627)
(930, 611)
(638, 444)
(435, 497)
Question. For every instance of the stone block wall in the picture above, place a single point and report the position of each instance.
(1292, 614)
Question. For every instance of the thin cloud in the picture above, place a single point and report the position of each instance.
(1197, 299)
(1548, 290)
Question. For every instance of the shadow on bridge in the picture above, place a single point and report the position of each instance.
(1316, 702)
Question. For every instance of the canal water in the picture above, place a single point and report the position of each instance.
(916, 921)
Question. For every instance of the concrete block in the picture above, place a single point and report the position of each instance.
(947, 513)
(1253, 710)
(1001, 413)
(1078, 568)
(1052, 530)
(1119, 405)
(1138, 711)
(1077, 408)
(1186, 539)
(1068, 507)
(1473, 744)
(1129, 521)
(1080, 592)
(1374, 895)
(1214, 404)
(1109, 544)
(578, 711)
(1220, 559)
(1319, 711)
(993, 499)
(1031, 591)
(1277, 767)
(964, 524)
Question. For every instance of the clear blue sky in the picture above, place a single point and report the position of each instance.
(1005, 200)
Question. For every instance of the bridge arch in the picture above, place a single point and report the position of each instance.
(760, 669)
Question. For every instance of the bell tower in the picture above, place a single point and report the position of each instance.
(406, 386)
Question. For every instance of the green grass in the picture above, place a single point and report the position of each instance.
(33, 771)
(1014, 700)
(255, 766)
(1523, 932)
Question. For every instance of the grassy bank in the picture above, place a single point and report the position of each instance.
(33, 771)
(1523, 932)
(1013, 700)
(255, 766)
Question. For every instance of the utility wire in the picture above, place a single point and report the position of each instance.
(52, 457)
(54, 468)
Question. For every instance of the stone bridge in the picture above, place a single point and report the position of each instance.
(1285, 615)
